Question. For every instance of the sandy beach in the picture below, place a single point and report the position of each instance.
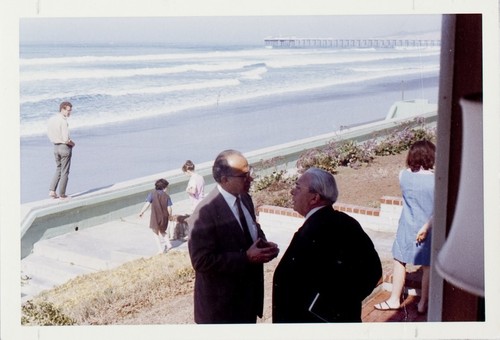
(113, 153)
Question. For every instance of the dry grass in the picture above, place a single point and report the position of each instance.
(109, 296)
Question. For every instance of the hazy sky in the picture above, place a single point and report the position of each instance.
(233, 29)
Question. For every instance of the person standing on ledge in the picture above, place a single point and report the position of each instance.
(330, 265)
(58, 133)
(228, 248)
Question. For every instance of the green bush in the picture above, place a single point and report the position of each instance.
(264, 182)
(43, 314)
(323, 158)
(335, 154)
(272, 186)
(351, 154)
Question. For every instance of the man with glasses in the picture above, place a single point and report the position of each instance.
(228, 247)
(331, 264)
(58, 133)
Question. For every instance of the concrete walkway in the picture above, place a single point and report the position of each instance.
(56, 260)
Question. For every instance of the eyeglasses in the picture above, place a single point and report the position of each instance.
(247, 174)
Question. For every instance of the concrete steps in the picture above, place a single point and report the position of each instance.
(39, 273)
(56, 260)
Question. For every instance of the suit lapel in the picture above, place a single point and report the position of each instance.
(226, 214)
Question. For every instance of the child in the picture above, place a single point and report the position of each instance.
(161, 209)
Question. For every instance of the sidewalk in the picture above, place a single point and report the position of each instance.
(56, 260)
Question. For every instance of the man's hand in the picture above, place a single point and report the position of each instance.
(262, 251)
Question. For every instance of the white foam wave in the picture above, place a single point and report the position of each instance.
(102, 118)
(328, 83)
(255, 53)
(254, 74)
(209, 62)
(123, 73)
(216, 83)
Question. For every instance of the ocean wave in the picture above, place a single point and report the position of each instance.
(82, 60)
(296, 61)
(254, 74)
(216, 83)
(126, 73)
(96, 117)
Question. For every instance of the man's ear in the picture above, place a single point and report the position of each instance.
(316, 198)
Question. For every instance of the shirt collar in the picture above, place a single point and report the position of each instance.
(313, 210)
(228, 197)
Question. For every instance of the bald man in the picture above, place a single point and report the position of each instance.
(228, 248)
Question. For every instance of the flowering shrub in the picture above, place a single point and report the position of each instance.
(335, 154)
(274, 188)
(352, 154)
(324, 158)
(264, 182)
(404, 137)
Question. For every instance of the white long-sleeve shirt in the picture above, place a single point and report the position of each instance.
(58, 130)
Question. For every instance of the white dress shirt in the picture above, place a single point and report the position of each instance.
(231, 202)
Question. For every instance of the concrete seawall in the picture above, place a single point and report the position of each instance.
(49, 218)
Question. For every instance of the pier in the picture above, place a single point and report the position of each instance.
(292, 42)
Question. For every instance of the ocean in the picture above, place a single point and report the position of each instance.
(139, 110)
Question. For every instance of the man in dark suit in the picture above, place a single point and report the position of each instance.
(228, 247)
(330, 265)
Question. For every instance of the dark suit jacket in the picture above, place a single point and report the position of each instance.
(228, 288)
(329, 255)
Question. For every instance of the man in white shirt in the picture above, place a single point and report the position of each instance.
(58, 133)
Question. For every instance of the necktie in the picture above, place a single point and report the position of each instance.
(243, 222)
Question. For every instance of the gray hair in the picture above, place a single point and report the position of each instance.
(323, 183)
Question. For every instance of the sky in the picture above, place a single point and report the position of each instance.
(221, 29)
